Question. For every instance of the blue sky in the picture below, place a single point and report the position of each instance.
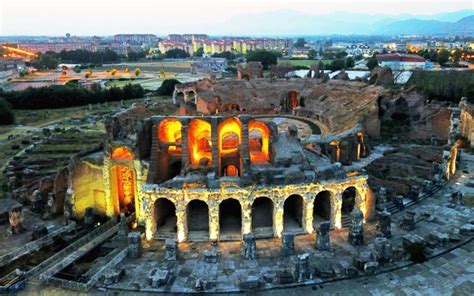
(107, 17)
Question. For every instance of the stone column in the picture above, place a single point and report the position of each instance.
(181, 222)
(184, 144)
(278, 218)
(336, 214)
(109, 205)
(215, 144)
(246, 216)
(308, 213)
(250, 247)
(287, 244)
(213, 220)
(150, 227)
(244, 119)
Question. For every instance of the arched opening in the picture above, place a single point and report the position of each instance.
(169, 132)
(230, 170)
(230, 139)
(293, 214)
(197, 213)
(259, 142)
(262, 217)
(122, 181)
(348, 201)
(199, 142)
(165, 218)
(293, 99)
(230, 220)
(322, 207)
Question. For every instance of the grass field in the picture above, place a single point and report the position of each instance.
(304, 63)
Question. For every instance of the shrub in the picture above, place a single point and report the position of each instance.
(6, 113)
(167, 87)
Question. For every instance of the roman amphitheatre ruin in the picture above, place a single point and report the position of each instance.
(254, 183)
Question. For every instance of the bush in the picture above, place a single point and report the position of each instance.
(267, 58)
(167, 87)
(6, 114)
(60, 96)
(444, 85)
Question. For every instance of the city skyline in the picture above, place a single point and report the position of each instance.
(55, 18)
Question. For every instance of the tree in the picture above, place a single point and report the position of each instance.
(267, 58)
(300, 42)
(46, 61)
(312, 54)
(199, 52)
(456, 55)
(341, 54)
(443, 56)
(229, 55)
(167, 87)
(176, 53)
(6, 114)
(138, 71)
(372, 63)
(337, 64)
(350, 63)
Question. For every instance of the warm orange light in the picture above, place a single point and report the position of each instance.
(230, 136)
(169, 131)
(122, 153)
(259, 142)
(125, 188)
(199, 141)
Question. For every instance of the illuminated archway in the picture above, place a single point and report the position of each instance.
(348, 200)
(197, 213)
(259, 142)
(322, 207)
(122, 181)
(262, 216)
(165, 218)
(293, 213)
(230, 139)
(293, 101)
(169, 132)
(230, 219)
(231, 171)
(199, 141)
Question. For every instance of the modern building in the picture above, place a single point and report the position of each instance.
(399, 61)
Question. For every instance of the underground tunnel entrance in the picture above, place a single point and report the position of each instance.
(322, 208)
(197, 213)
(262, 217)
(230, 220)
(165, 218)
(293, 214)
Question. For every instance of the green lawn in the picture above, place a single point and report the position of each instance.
(305, 63)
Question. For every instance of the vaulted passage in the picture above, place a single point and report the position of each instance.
(322, 207)
(230, 139)
(165, 218)
(259, 142)
(197, 213)
(262, 217)
(230, 219)
(293, 214)
(348, 200)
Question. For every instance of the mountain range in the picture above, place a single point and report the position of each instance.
(288, 22)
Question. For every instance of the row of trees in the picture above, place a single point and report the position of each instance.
(60, 96)
(51, 59)
(6, 114)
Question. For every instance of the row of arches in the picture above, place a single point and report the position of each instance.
(262, 215)
(229, 142)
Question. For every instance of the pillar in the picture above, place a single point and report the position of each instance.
(181, 222)
(308, 213)
(244, 119)
(278, 218)
(110, 209)
(215, 144)
(246, 216)
(213, 220)
(184, 143)
(150, 226)
(336, 214)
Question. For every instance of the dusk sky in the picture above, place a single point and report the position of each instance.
(107, 17)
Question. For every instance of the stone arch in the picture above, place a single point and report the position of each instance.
(169, 132)
(230, 170)
(197, 214)
(322, 208)
(229, 143)
(230, 219)
(165, 218)
(349, 196)
(259, 142)
(200, 142)
(262, 217)
(122, 180)
(293, 209)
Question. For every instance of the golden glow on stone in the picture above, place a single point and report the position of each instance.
(199, 141)
(259, 142)
(169, 131)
